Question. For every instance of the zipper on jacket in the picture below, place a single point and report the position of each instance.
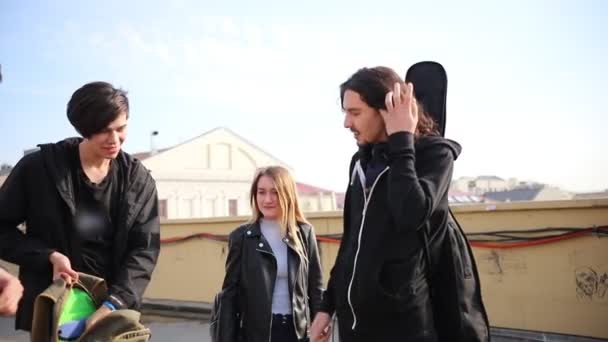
(367, 199)
(293, 286)
(276, 266)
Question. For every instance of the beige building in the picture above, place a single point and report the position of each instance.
(462, 184)
(483, 189)
(490, 184)
(210, 176)
(313, 199)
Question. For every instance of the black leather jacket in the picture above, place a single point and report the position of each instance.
(246, 299)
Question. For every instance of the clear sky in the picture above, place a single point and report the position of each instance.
(527, 79)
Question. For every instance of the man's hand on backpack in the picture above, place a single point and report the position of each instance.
(320, 331)
(62, 268)
(102, 312)
(11, 291)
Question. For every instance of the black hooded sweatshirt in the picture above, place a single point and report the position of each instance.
(40, 193)
(378, 286)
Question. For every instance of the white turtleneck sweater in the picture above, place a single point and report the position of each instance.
(281, 300)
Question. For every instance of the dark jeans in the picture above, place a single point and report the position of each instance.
(283, 329)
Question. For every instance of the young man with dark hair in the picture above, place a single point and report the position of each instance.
(87, 207)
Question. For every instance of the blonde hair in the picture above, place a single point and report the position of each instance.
(291, 213)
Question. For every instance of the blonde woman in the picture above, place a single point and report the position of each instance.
(273, 286)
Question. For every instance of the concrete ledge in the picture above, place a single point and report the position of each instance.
(504, 334)
(176, 308)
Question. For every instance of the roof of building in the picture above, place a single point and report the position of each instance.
(148, 154)
(307, 189)
(514, 195)
(489, 178)
(460, 197)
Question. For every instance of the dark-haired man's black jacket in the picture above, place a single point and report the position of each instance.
(378, 286)
(40, 193)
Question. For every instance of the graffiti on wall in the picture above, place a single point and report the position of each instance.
(591, 284)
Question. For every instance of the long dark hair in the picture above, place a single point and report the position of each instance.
(372, 84)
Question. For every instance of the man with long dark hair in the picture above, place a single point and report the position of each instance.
(399, 181)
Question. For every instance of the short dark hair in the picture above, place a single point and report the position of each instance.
(95, 105)
(372, 85)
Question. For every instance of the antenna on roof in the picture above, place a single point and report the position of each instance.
(153, 149)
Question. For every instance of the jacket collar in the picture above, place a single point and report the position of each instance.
(58, 160)
(255, 231)
(294, 259)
